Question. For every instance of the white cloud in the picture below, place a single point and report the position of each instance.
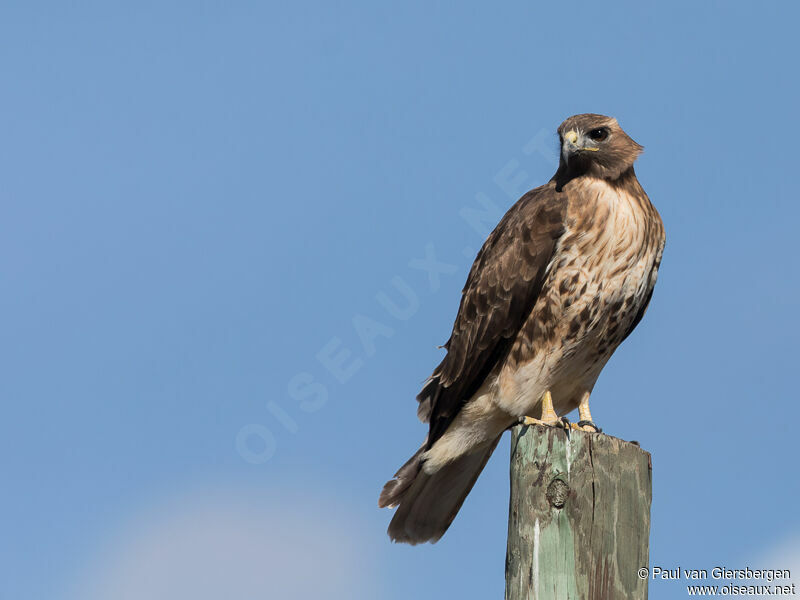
(201, 548)
(784, 555)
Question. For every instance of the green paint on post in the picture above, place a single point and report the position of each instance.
(579, 516)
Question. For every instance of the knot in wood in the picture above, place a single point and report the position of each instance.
(557, 493)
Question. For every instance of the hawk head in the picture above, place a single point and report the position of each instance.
(595, 145)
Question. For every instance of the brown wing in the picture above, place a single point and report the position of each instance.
(501, 290)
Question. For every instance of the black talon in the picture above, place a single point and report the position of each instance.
(584, 423)
(565, 423)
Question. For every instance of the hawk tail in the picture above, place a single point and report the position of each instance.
(395, 489)
(428, 502)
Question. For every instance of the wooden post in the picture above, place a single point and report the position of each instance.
(579, 516)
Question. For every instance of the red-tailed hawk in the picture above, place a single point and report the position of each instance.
(562, 280)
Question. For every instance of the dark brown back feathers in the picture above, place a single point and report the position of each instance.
(500, 292)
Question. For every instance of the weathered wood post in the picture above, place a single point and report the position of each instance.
(579, 516)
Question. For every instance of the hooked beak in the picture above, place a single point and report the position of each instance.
(574, 143)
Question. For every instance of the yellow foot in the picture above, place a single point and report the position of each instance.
(534, 421)
(585, 420)
(549, 416)
(586, 426)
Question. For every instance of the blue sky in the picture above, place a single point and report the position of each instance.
(199, 200)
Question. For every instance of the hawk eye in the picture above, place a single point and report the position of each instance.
(598, 135)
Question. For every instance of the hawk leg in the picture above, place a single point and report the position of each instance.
(549, 416)
(585, 417)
